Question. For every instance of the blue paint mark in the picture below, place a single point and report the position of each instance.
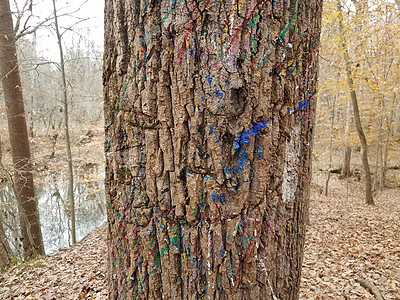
(222, 252)
(251, 180)
(219, 94)
(218, 198)
(257, 127)
(209, 78)
(213, 129)
(242, 159)
(208, 177)
(243, 138)
(227, 170)
(240, 166)
(288, 112)
(304, 105)
(259, 150)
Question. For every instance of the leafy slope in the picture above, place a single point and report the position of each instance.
(77, 272)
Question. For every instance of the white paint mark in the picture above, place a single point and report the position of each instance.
(263, 268)
(292, 160)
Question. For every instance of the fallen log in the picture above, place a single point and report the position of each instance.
(371, 288)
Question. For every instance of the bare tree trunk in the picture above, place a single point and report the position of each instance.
(330, 147)
(20, 150)
(209, 109)
(378, 155)
(5, 250)
(385, 159)
(347, 149)
(66, 131)
(364, 155)
(389, 134)
(33, 91)
(346, 163)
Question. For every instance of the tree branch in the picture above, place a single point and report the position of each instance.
(371, 288)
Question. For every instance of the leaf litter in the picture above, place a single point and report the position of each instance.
(77, 272)
(348, 240)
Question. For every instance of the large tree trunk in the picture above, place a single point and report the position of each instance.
(209, 109)
(357, 120)
(20, 150)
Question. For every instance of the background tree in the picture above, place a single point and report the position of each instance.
(66, 129)
(5, 250)
(209, 115)
(369, 30)
(357, 119)
(20, 149)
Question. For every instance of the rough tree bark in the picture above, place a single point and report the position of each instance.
(357, 120)
(209, 108)
(18, 133)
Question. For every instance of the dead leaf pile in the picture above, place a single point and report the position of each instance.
(77, 272)
(348, 240)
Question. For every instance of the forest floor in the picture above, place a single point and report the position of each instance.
(346, 240)
(76, 272)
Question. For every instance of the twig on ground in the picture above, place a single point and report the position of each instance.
(371, 288)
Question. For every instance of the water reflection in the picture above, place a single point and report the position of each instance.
(9, 218)
(54, 209)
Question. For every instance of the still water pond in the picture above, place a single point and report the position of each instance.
(54, 212)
